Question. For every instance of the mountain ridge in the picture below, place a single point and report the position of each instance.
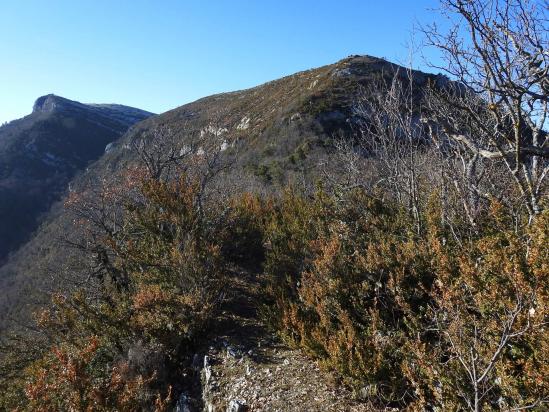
(42, 151)
(281, 114)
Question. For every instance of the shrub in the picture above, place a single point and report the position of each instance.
(122, 342)
(399, 315)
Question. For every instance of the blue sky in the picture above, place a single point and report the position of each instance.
(158, 55)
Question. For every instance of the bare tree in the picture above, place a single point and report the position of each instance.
(462, 170)
(498, 54)
(478, 345)
(98, 207)
(397, 138)
(389, 150)
(160, 150)
(346, 169)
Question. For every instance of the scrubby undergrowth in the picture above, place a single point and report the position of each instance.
(425, 321)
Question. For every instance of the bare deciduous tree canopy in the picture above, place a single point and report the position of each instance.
(498, 53)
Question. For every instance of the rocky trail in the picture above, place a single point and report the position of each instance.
(247, 368)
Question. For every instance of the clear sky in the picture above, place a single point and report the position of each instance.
(157, 55)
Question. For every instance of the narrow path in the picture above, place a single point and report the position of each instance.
(252, 366)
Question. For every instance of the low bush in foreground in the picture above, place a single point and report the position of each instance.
(423, 321)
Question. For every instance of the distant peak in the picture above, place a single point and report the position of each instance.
(49, 103)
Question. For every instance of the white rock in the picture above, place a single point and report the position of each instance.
(313, 84)
(244, 123)
(211, 129)
(109, 147)
(232, 352)
(236, 405)
(207, 369)
(294, 117)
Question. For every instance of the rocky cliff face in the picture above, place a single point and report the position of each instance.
(125, 115)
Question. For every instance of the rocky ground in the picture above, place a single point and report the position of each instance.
(272, 377)
(247, 368)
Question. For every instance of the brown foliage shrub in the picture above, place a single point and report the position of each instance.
(157, 279)
(398, 313)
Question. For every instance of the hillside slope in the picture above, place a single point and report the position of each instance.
(41, 153)
(279, 132)
(281, 128)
